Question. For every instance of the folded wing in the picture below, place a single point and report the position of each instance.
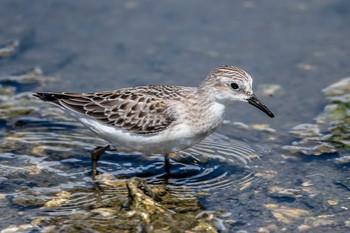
(138, 113)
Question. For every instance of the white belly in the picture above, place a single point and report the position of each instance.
(174, 138)
(170, 140)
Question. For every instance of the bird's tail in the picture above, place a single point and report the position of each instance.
(53, 97)
(45, 96)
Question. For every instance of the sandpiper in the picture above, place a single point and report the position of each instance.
(158, 119)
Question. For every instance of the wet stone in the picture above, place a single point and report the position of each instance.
(343, 160)
(143, 205)
(309, 148)
(61, 198)
(9, 48)
(321, 220)
(149, 208)
(268, 229)
(347, 223)
(6, 92)
(331, 132)
(279, 192)
(305, 130)
(269, 89)
(140, 201)
(33, 75)
(339, 88)
(286, 214)
(29, 200)
(17, 228)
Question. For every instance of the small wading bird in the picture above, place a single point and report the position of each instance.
(158, 119)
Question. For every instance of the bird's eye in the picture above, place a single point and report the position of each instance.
(234, 86)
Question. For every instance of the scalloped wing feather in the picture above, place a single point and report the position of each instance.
(136, 112)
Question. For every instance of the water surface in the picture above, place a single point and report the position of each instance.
(242, 176)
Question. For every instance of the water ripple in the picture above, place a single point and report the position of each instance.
(64, 149)
(50, 164)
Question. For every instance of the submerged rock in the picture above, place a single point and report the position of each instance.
(343, 160)
(309, 148)
(142, 208)
(331, 131)
(17, 228)
(279, 192)
(158, 207)
(339, 88)
(9, 48)
(30, 198)
(286, 214)
(61, 198)
(269, 89)
(32, 75)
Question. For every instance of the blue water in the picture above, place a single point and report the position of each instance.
(302, 46)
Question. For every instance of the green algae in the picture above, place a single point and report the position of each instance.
(138, 208)
(331, 131)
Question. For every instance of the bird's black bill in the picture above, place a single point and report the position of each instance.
(256, 103)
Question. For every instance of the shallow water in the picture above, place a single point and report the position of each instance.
(245, 177)
(48, 164)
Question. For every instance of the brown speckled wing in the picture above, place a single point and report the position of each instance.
(131, 110)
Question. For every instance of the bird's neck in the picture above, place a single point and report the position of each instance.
(208, 114)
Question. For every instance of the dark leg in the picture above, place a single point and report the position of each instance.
(95, 156)
(167, 164)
